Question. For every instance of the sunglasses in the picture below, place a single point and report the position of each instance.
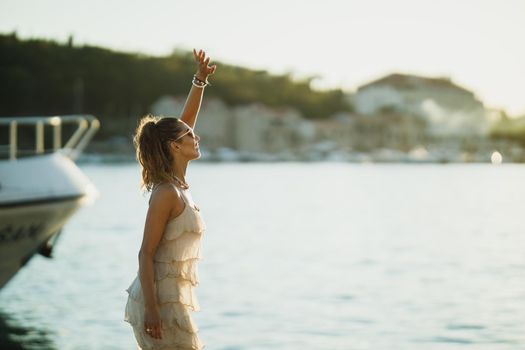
(185, 133)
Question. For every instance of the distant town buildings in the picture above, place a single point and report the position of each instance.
(406, 114)
(250, 128)
(364, 133)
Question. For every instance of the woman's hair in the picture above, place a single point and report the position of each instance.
(151, 141)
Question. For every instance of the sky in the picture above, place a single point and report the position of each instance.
(479, 44)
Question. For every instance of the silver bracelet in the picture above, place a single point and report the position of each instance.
(197, 84)
(200, 82)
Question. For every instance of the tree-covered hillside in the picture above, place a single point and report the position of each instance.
(42, 77)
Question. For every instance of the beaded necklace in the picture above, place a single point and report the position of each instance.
(182, 184)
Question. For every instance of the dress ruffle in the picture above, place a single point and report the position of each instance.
(178, 327)
(184, 223)
(186, 246)
(186, 269)
(169, 290)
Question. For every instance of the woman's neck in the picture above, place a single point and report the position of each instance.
(180, 169)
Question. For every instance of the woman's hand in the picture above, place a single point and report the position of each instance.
(152, 322)
(203, 70)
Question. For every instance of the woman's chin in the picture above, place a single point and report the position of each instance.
(197, 154)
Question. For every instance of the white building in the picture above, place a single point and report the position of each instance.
(448, 108)
(262, 129)
(168, 106)
(216, 124)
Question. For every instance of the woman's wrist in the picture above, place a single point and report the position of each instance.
(198, 82)
(200, 77)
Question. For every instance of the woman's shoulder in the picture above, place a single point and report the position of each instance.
(164, 192)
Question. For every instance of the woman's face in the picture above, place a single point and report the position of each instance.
(189, 144)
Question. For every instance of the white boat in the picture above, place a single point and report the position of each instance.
(40, 189)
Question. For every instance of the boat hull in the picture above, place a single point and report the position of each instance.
(37, 197)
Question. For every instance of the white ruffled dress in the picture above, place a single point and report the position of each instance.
(176, 276)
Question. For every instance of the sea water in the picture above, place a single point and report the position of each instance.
(298, 256)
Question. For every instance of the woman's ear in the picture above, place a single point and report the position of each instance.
(175, 146)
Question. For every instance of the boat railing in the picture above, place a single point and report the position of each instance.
(87, 125)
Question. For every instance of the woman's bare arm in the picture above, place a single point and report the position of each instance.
(161, 205)
(156, 219)
(192, 106)
(193, 102)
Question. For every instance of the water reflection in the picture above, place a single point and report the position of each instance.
(14, 336)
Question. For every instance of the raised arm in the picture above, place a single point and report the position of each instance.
(193, 102)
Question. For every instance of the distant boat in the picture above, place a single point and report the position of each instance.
(40, 189)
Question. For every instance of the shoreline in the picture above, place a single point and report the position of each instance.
(115, 157)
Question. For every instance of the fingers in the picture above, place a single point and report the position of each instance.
(157, 332)
(201, 57)
(153, 330)
(197, 55)
(211, 70)
(203, 62)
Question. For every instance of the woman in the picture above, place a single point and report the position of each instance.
(162, 295)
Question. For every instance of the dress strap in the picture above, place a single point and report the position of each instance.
(186, 200)
(181, 194)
